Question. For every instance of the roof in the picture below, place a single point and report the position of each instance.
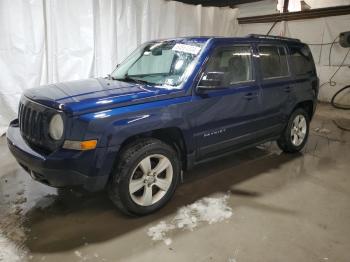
(256, 37)
(272, 37)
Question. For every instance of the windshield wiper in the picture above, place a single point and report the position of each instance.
(139, 81)
(131, 79)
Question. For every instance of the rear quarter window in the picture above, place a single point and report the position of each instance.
(301, 60)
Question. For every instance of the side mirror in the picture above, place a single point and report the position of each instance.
(210, 80)
(157, 52)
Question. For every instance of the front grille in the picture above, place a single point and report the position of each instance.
(33, 123)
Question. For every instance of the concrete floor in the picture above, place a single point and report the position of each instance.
(284, 208)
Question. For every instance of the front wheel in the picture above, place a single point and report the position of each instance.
(295, 135)
(146, 176)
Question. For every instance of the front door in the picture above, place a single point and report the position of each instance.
(227, 108)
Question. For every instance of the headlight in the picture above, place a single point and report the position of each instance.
(56, 127)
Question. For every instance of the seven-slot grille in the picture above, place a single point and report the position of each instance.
(32, 124)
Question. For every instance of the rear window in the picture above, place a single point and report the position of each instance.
(301, 59)
(273, 61)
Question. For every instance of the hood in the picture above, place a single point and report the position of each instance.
(81, 96)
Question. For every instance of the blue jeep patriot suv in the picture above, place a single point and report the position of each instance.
(170, 105)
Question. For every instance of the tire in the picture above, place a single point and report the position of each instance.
(292, 143)
(136, 177)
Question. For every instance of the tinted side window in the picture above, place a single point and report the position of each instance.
(301, 59)
(273, 61)
(234, 64)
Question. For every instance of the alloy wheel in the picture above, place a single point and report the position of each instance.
(151, 180)
(298, 130)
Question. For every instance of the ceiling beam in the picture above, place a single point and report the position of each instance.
(308, 14)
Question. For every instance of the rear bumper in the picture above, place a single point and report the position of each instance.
(63, 168)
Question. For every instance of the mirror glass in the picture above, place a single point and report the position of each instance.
(211, 79)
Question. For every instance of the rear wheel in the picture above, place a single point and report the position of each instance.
(145, 178)
(295, 135)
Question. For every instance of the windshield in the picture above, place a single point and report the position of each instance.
(165, 63)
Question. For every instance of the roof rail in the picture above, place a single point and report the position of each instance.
(272, 37)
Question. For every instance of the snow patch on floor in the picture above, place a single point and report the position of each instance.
(8, 251)
(210, 210)
(88, 257)
(78, 253)
(322, 130)
(206, 210)
(158, 232)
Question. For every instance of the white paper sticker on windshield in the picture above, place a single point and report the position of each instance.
(187, 48)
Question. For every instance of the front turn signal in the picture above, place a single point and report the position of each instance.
(80, 145)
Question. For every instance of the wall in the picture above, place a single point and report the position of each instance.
(326, 3)
(312, 31)
(264, 7)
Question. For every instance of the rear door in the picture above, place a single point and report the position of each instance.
(305, 85)
(226, 113)
(276, 84)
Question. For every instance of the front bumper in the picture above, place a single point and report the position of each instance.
(63, 168)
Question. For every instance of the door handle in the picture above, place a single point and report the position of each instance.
(250, 96)
(287, 89)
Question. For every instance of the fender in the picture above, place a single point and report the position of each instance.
(112, 127)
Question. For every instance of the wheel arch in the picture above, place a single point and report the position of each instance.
(173, 136)
(308, 106)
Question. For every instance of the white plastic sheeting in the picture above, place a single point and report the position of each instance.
(58, 40)
(293, 5)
